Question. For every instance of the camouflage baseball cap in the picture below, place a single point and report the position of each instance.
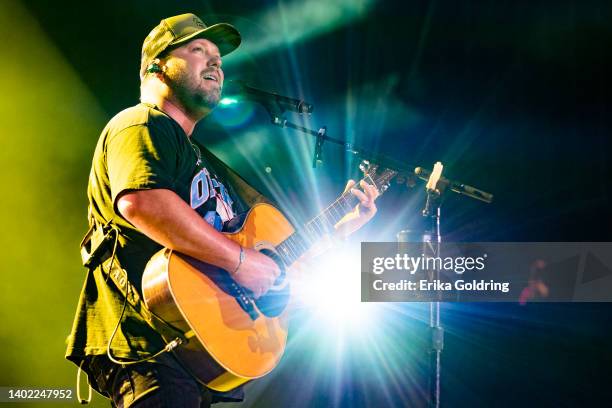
(177, 30)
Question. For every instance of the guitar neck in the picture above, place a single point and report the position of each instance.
(324, 224)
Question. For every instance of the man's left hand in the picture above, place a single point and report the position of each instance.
(362, 213)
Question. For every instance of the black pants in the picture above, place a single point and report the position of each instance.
(161, 384)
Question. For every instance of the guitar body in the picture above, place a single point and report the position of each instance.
(231, 340)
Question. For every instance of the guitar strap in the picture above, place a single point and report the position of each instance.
(246, 194)
(98, 250)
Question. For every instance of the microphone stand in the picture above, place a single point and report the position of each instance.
(275, 111)
(431, 246)
(406, 170)
(321, 136)
(431, 239)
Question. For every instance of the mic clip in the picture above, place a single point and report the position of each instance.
(317, 158)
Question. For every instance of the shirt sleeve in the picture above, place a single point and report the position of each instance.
(140, 158)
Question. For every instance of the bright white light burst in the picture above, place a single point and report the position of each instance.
(331, 288)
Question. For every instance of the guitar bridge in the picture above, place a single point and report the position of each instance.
(244, 300)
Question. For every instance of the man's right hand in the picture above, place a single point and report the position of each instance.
(257, 272)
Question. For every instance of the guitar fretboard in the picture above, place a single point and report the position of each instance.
(300, 241)
(323, 224)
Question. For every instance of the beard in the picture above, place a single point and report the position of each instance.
(189, 90)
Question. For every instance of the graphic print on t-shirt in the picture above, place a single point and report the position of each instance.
(203, 188)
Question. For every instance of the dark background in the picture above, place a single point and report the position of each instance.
(513, 97)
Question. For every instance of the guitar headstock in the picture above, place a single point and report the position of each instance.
(372, 176)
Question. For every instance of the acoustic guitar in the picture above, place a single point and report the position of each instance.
(233, 338)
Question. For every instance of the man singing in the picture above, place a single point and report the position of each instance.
(147, 182)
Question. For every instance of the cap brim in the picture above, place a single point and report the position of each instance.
(225, 36)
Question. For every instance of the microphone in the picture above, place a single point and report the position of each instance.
(456, 186)
(268, 98)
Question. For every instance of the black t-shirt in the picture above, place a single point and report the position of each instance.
(143, 148)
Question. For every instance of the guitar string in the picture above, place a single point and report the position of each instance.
(292, 250)
(294, 242)
(294, 245)
(341, 202)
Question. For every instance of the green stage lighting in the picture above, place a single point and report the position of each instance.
(228, 101)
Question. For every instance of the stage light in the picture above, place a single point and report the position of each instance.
(289, 23)
(50, 123)
(228, 102)
(233, 114)
(332, 291)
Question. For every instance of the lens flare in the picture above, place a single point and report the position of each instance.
(332, 290)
